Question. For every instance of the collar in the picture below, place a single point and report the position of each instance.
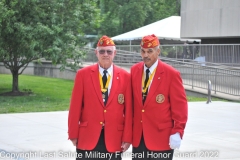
(110, 70)
(152, 67)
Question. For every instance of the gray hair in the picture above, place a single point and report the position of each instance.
(157, 47)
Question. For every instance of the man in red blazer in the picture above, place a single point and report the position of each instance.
(100, 114)
(160, 105)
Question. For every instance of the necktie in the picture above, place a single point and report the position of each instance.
(145, 84)
(104, 79)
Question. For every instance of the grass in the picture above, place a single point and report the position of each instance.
(197, 99)
(49, 94)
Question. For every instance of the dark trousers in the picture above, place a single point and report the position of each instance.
(99, 152)
(141, 152)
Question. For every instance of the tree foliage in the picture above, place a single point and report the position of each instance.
(161, 9)
(33, 29)
(120, 16)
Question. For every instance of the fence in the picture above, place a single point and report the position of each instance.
(227, 54)
(224, 80)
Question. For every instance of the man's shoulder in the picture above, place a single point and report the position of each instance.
(167, 67)
(137, 65)
(87, 68)
(121, 70)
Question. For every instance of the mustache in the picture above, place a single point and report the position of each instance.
(146, 58)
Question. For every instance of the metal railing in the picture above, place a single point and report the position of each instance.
(225, 79)
(227, 54)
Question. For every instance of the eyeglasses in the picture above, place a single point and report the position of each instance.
(109, 52)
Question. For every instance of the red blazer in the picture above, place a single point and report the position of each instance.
(165, 110)
(87, 111)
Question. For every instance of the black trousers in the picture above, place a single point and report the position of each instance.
(99, 152)
(141, 152)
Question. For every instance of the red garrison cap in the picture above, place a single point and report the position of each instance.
(105, 41)
(149, 41)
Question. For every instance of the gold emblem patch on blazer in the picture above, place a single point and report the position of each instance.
(121, 98)
(160, 98)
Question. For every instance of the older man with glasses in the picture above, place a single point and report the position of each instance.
(100, 114)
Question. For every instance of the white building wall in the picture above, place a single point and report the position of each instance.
(210, 19)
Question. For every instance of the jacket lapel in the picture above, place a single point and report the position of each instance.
(138, 82)
(96, 83)
(157, 79)
(115, 84)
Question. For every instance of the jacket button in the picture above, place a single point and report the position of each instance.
(105, 110)
(143, 110)
(101, 122)
(141, 121)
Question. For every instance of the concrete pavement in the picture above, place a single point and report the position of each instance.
(212, 132)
